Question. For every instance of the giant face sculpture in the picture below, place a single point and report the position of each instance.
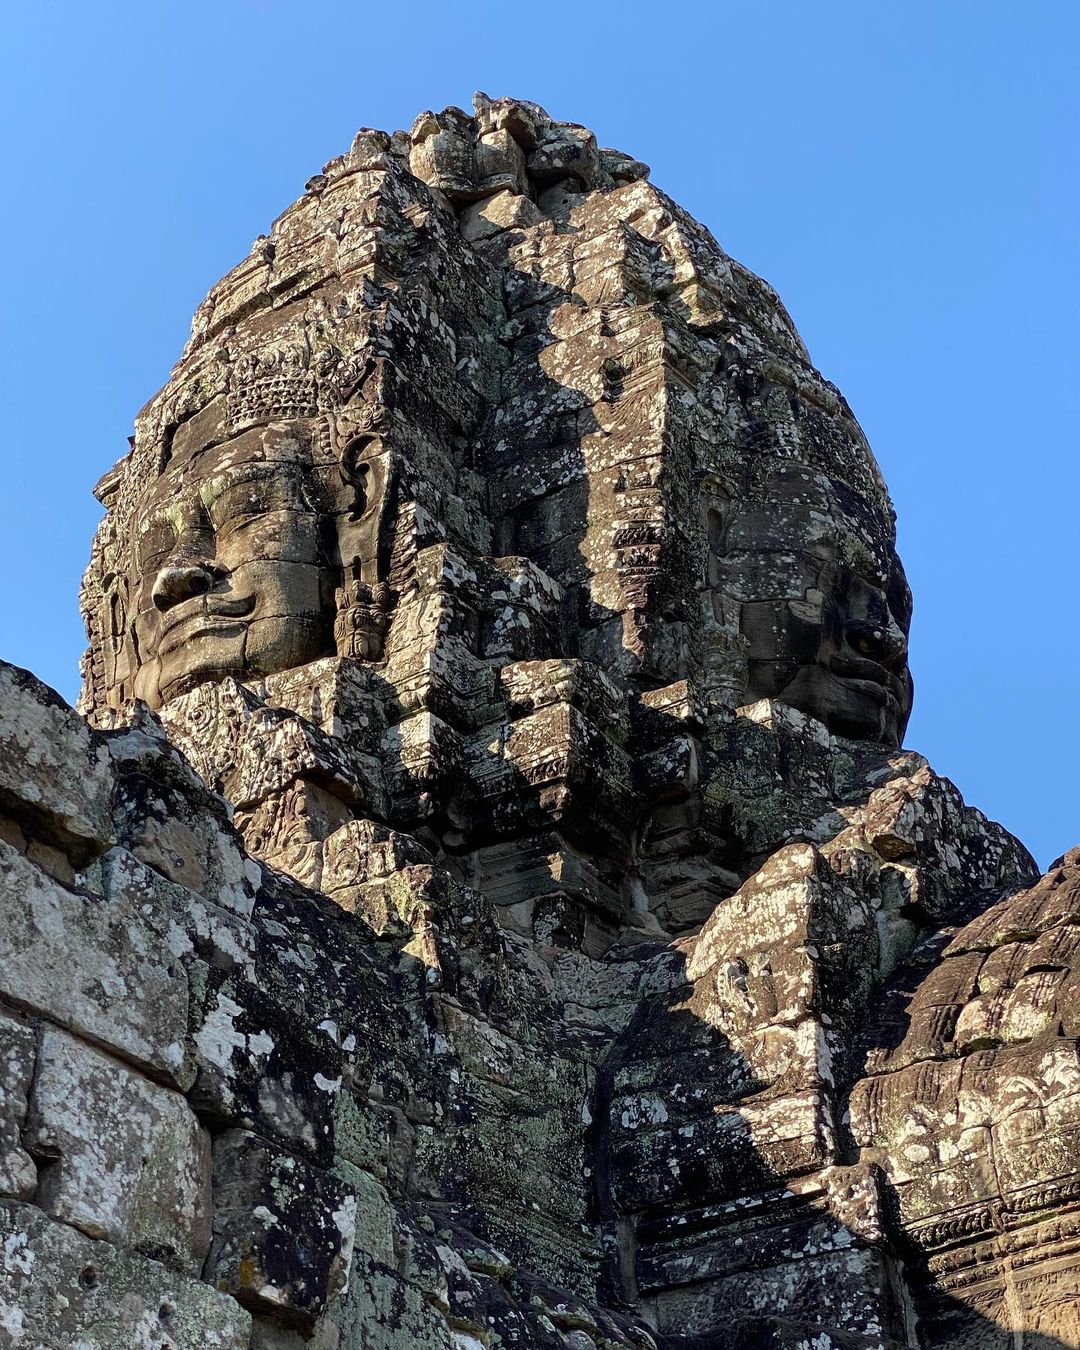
(821, 600)
(247, 556)
(232, 564)
(258, 553)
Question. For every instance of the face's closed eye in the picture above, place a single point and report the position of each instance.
(237, 494)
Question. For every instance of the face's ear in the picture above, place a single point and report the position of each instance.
(717, 513)
(365, 508)
(356, 474)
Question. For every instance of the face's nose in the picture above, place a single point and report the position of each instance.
(173, 585)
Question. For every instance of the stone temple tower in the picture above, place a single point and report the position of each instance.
(487, 903)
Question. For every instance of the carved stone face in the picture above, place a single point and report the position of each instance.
(231, 574)
(823, 604)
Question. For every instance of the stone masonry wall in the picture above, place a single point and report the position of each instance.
(214, 1087)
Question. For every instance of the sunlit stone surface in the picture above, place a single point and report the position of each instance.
(487, 904)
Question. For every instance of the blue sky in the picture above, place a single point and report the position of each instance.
(904, 174)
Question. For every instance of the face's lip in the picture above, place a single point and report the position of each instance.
(880, 715)
(883, 695)
(204, 613)
(239, 607)
(875, 690)
(868, 677)
(198, 627)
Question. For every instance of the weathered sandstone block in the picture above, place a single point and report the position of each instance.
(96, 968)
(283, 1230)
(18, 1050)
(54, 771)
(60, 1289)
(121, 1158)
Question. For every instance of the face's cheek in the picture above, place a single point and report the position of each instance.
(274, 644)
(148, 684)
(279, 588)
(783, 636)
(865, 603)
(145, 619)
(288, 623)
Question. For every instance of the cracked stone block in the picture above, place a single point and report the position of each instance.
(96, 968)
(258, 1060)
(54, 771)
(18, 1175)
(60, 1290)
(123, 1159)
(193, 929)
(504, 211)
(283, 1230)
(838, 1287)
(264, 1067)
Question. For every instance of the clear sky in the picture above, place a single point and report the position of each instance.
(905, 174)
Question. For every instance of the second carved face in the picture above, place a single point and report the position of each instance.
(822, 602)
